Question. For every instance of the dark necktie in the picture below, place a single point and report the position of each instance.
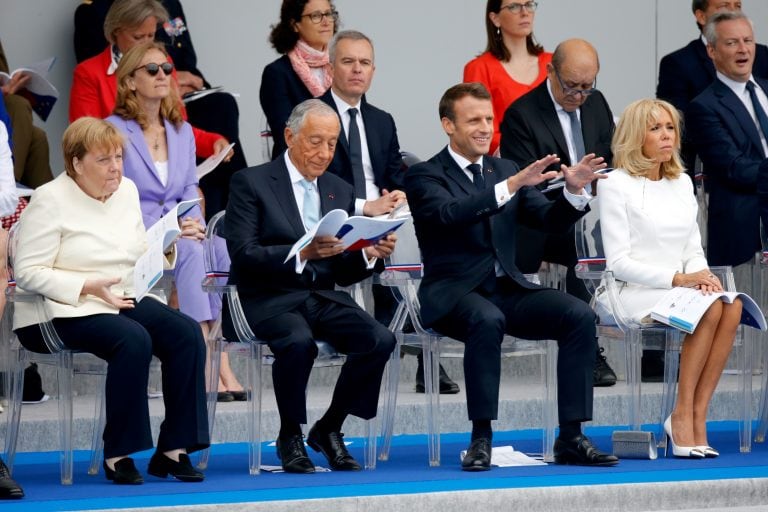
(578, 137)
(356, 155)
(762, 119)
(477, 176)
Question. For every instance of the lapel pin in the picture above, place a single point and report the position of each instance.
(331, 197)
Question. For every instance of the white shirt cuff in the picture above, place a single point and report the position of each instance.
(359, 205)
(578, 201)
(501, 190)
(299, 263)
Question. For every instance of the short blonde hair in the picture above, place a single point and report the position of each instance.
(131, 13)
(628, 139)
(85, 135)
(127, 105)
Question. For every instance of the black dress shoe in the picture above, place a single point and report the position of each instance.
(239, 396)
(331, 445)
(580, 451)
(602, 375)
(447, 386)
(225, 396)
(293, 455)
(9, 489)
(125, 472)
(161, 466)
(478, 457)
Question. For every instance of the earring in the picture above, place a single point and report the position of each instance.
(498, 32)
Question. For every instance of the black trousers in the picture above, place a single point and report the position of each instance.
(127, 341)
(350, 330)
(480, 321)
(218, 113)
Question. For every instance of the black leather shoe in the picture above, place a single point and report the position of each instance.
(580, 451)
(225, 396)
(331, 444)
(125, 472)
(293, 455)
(239, 396)
(161, 466)
(652, 366)
(447, 386)
(478, 457)
(9, 489)
(603, 375)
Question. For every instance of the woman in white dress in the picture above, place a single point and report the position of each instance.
(652, 243)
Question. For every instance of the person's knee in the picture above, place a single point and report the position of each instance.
(298, 343)
(384, 341)
(580, 316)
(135, 344)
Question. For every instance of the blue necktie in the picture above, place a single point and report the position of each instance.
(311, 210)
(356, 155)
(477, 176)
(762, 119)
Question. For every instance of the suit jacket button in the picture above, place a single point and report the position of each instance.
(161, 202)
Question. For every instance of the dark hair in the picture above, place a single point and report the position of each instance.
(283, 36)
(699, 5)
(495, 45)
(458, 91)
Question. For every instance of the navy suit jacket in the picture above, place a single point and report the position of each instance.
(383, 147)
(281, 90)
(261, 225)
(531, 129)
(685, 73)
(462, 232)
(728, 143)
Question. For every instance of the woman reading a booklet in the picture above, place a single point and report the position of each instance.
(160, 158)
(77, 245)
(652, 243)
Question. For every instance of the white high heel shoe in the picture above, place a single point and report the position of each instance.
(691, 452)
(708, 451)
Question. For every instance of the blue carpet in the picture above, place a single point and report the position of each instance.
(227, 479)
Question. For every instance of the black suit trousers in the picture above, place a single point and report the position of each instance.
(127, 341)
(350, 330)
(480, 321)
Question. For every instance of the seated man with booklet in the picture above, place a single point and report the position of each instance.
(291, 302)
(652, 244)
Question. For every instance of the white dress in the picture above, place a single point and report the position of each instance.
(649, 233)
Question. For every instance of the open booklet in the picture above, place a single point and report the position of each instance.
(683, 308)
(212, 161)
(40, 93)
(354, 232)
(163, 233)
(202, 93)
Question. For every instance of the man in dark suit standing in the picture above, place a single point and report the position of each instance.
(729, 126)
(685, 73)
(568, 117)
(291, 303)
(368, 155)
(466, 206)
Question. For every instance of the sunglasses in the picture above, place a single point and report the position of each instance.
(152, 69)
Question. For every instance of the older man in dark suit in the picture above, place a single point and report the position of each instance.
(685, 73)
(568, 117)
(466, 206)
(729, 126)
(291, 303)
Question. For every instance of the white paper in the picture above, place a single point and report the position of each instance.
(354, 232)
(212, 161)
(148, 270)
(202, 93)
(506, 456)
(167, 228)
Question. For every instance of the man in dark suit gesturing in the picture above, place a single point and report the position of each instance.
(465, 208)
(729, 126)
(568, 117)
(368, 155)
(291, 303)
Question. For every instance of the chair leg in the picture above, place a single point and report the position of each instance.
(254, 412)
(549, 377)
(214, 347)
(65, 375)
(671, 365)
(15, 391)
(763, 411)
(99, 421)
(745, 390)
(431, 351)
(390, 384)
(633, 354)
(369, 448)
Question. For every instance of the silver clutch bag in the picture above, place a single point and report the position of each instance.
(634, 444)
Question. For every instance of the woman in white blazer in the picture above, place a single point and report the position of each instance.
(652, 243)
(78, 243)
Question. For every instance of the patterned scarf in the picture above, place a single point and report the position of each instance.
(303, 57)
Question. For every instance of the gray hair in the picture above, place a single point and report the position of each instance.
(353, 35)
(710, 29)
(131, 13)
(302, 110)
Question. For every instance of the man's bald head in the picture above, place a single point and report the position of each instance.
(573, 69)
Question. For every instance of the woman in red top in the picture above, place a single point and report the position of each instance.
(513, 62)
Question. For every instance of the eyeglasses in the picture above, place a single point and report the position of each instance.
(570, 91)
(518, 8)
(317, 16)
(152, 68)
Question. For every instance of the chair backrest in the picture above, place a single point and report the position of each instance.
(590, 255)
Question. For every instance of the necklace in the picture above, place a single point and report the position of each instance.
(156, 146)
